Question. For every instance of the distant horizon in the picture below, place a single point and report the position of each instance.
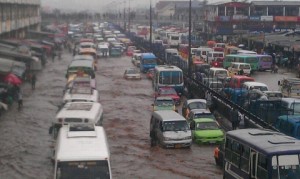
(111, 6)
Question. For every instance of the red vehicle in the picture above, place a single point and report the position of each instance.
(236, 81)
(130, 50)
(150, 73)
(168, 92)
(218, 62)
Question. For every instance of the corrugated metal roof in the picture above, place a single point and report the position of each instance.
(276, 3)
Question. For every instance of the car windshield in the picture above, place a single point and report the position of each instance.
(149, 61)
(296, 107)
(285, 166)
(164, 103)
(207, 126)
(197, 105)
(204, 115)
(83, 169)
(131, 71)
(175, 126)
(261, 88)
(221, 72)
(170, 77)
(169, 91)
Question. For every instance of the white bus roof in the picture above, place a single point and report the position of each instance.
(82, 145)
(171, 50)
(246, 52)
(167, 68)
(81, 94)
(168, 115)
(79, 110)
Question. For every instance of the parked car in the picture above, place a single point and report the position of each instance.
(192, 104)
(168, 92)
(164, 103)
(132, 74)
(206, 130)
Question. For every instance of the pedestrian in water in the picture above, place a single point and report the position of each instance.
(20, 99)
(33, 81)
(234, 115)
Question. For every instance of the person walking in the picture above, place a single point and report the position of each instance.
(234, 115)
(33, 81)
(20, 100)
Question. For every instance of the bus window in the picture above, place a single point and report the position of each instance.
(262, 167)
(251, 60)
(245, 155)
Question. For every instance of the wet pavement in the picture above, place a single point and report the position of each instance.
(25, 149)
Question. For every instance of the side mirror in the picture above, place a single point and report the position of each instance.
(278, 83)
(152, 104)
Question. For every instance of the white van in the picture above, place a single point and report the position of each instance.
(201, 53)
(292, 104)
(174, 39)
(77, 113)
(214, 55)
(85, 93)
(82, 151)
(169, 129)
(219, 73)
(236, 67)
(250, 85)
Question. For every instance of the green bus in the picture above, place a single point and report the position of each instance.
(243, 58)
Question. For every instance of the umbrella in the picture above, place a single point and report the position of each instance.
(12, 79)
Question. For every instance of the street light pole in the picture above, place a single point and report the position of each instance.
(190, 42)
(150, 25)
(129, 17)
(124, 15)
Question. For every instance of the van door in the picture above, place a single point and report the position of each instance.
(159, 131)
(253, 164)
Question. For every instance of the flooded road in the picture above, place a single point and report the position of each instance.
(25, 149)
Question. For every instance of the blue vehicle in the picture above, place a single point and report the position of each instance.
(289, 125)
(168, 76)
(148, 61)
(261, 153)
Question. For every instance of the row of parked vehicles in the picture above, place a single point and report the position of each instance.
(81, 148)
(245, 153)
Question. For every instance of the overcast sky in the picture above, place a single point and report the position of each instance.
(102, 5)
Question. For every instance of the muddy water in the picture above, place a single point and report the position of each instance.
(127, 106)
(25, 148)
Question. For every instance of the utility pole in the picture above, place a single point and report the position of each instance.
(129, 17)
(150, 25)
(124, 16)
(190, 42)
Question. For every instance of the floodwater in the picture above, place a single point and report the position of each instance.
(25, 148)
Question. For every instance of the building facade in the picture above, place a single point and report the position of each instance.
(17, 16)
(233, 18)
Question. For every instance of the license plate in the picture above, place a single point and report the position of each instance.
(178, 146)
(212, 142)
